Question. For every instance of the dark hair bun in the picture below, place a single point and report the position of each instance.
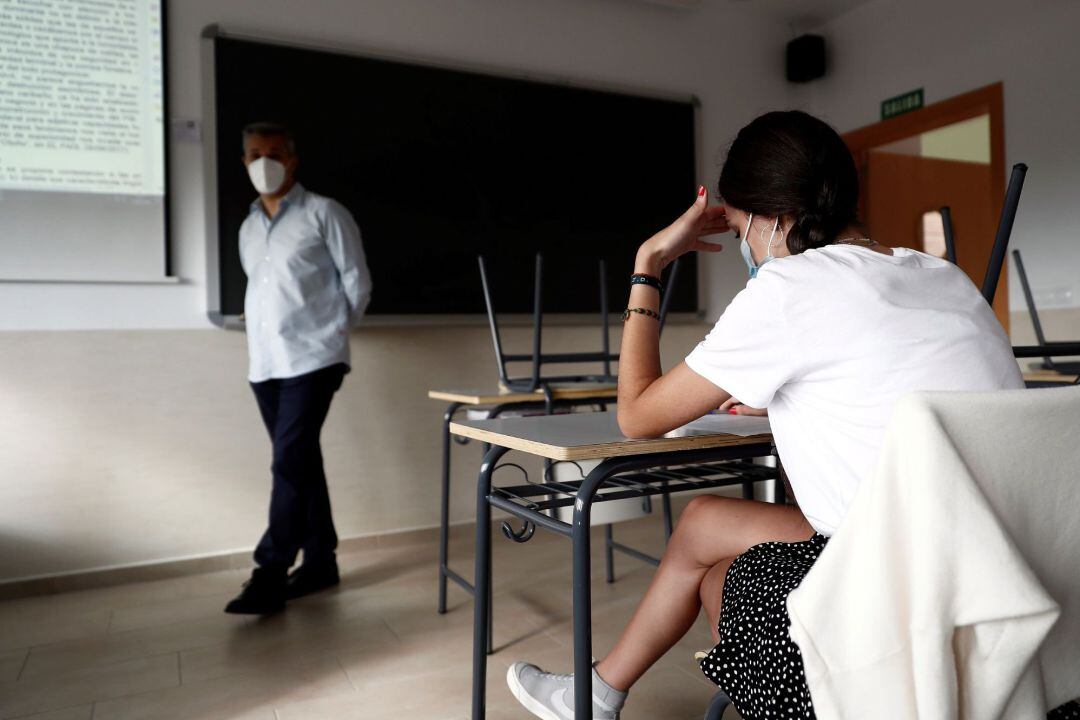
(792, 164)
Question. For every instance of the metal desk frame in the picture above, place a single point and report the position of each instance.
(548, 403)
(627, 476)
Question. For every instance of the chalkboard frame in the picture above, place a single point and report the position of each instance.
(213, 32)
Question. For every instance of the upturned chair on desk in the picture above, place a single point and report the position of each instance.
(535, 380)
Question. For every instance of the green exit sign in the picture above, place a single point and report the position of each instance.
(901, 104)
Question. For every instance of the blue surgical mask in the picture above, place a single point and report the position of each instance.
(744, 247)
(751, 266)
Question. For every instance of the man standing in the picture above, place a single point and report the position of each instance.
(308, 283)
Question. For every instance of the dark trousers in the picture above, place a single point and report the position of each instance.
(294, 410)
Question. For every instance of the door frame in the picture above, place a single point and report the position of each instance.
(988, 100)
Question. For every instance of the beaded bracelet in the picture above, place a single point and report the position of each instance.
(640, 311)
(643, 279)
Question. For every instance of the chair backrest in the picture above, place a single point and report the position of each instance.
(1004, 231)
(537, 358)
(946, 226)
(1029, 300)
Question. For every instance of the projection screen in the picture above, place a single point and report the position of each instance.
(82, 140)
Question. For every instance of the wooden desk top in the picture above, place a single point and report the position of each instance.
(559, 391)
(590, 436)
(1049, 376)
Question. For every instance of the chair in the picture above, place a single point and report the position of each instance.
(967, 530)
(535, 380)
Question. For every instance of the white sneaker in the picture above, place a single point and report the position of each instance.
(551, 697)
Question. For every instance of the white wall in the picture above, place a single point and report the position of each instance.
(134, 438)
(122, 447)
(887, 47)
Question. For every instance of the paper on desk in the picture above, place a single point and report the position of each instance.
(741, 425)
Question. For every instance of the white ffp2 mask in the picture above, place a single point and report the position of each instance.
(266, 175)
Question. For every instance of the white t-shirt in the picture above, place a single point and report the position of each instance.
(828, 340)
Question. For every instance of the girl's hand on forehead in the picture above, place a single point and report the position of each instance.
(684, 235)
(716, 221)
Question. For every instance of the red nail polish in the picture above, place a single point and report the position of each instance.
(733, 411)
(701, 191)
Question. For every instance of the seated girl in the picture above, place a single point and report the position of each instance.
(829, 332)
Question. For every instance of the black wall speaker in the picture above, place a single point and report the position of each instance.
(805, 58)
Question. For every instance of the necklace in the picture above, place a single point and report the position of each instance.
(866, 242)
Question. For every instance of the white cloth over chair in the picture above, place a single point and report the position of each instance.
(939, 596)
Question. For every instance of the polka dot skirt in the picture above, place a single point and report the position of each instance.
(1068, 711)
(756, 664)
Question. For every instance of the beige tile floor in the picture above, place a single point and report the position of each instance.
(372, 648)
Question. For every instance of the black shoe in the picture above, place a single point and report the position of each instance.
(308, 579)
(263, 594)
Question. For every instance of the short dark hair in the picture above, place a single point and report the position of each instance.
(791, 163)
(270, 129)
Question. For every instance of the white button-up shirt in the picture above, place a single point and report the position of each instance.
(308, 283)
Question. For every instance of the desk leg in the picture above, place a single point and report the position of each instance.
(482, 583)
(668, 525)
(549, 409)
(609, 552)
(444, 524)
(780, 491)
(583, 589)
